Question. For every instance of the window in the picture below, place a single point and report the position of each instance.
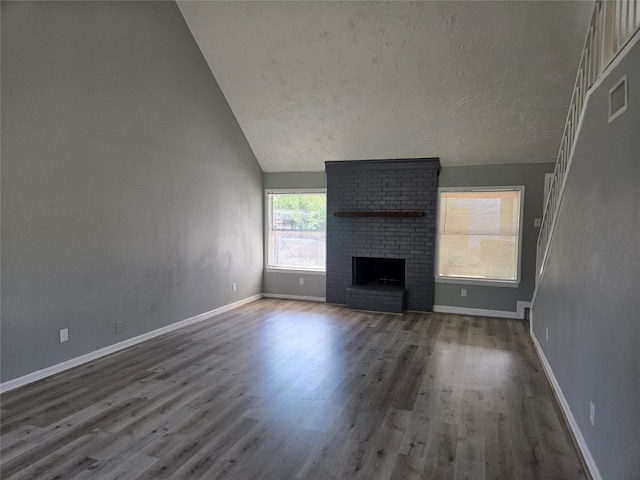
(479, 235)
(296, 230)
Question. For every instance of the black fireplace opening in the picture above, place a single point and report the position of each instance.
(378, 271)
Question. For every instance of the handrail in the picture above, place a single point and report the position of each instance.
(613, 23)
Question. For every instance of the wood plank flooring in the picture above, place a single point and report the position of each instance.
(295, 390)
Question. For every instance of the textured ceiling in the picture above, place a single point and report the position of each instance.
(470, 82)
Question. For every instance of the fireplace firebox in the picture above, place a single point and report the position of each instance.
(378, 271)
(378, 284)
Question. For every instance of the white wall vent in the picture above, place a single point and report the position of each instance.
(618, 99)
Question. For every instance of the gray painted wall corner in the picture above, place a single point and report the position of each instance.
(129, 192)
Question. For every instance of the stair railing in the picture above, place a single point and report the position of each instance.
(613, 23)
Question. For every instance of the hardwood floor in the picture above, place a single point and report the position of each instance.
(293, 390)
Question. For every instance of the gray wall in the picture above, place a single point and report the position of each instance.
(589, 297)
(295, 180)
(285, 283)
(532, 177)
(129, 192)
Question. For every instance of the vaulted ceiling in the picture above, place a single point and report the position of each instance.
(471, 82)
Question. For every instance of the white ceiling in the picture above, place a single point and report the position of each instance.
(471, 82)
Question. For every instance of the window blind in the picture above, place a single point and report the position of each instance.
(478, 234)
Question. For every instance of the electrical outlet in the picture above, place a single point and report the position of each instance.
(463, 292)
(592, 413)
(64, 335)
(119, 326)
(234, 287)
(537, 222)
(546, 333)
(301, 280)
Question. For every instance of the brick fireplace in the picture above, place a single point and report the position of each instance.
(382, 209)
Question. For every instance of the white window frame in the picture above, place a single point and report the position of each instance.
(479, 281)
(268, 222)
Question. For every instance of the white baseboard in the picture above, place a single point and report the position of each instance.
(577, 434)
(520, 306)
(478, 312)
(294, 297)
(74, 362)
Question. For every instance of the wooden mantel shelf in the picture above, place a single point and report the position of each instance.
(367, 213)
